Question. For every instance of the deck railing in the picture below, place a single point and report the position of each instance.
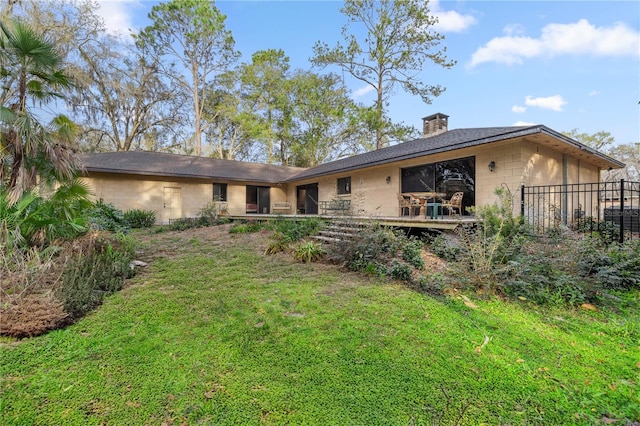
(610, 208)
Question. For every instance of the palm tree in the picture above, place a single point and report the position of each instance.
(30, 75)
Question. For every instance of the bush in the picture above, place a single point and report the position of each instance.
(497, 239)
(98, 266)
(295, 230)
(38, 221)
(247, 227)
(137, 218)
(445, 248)
(308, 252)
(380, 251)
(412, 252)
(197, 222)
(578, 269)
(105, 217)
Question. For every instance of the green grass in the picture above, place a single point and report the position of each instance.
(217, 333)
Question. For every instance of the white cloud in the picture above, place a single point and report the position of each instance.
(513, 29)
(362, 91)
(450, 20)
(118, 15)
(579, 38)
(594, 93)
(523, 123)
(518, 109)
(554, 103)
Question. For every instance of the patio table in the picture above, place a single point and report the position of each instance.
(423, 197)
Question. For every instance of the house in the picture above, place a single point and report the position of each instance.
(474, 161)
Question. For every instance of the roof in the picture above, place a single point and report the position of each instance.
(443, 142)
(163, 164)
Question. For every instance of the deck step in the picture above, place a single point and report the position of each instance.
(336, 234)
(326, 239)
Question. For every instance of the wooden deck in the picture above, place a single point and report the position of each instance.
(446, 223)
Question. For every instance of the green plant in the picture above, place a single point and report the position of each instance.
(308, 251)
(399, 270)
(105, 217)
(496, 239)
(98, 266)
(247, 227)
(445, 248)
(412, 252)
(137, 218)
(213, 209)
(294, 230)
(35, 220)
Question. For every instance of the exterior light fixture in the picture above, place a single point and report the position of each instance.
(492, 166)
(388, 179)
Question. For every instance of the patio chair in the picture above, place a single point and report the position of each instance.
(407, 202)
(454, 203)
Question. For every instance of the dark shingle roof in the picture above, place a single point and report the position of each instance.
(447, 141)
(163, 164)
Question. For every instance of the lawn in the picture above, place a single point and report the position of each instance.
(214, 332)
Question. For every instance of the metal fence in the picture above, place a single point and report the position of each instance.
(610, 208)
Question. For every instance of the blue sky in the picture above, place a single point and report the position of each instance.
(566, 64)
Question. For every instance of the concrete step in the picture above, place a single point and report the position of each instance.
(336, 234)
(326, 239)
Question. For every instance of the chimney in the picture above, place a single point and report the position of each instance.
(434, 125)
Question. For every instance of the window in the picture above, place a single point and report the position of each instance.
(219, 192)
(445, 177)
(344, 185)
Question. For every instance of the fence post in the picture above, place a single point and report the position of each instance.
(522, 200)
(621, 238)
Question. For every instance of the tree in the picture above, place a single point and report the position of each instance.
(193, 33)
(629, 154)
(30, 72)
(267, 87)
(233, 117)
(398, 42)
(122, 97)
(328, 121)
(598, 141)
(604, 142)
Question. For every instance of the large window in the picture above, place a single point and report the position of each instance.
(446, 177)
(344, 185)
(219, 192)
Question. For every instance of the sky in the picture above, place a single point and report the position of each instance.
(565, 64)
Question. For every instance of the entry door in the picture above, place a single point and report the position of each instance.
(311, 199)
(172, 204)
(258, 199)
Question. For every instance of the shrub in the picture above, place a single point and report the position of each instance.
(38, 221)
(445, 248)
(399, 270)
(98, 266)
(105, 217)
(277, 244)
(137, 218)
(247, 227)
(212, 210)
(308, 251)
(294, 230)
(497, 239)
(381, 251)
(197, 222)
(412, 252)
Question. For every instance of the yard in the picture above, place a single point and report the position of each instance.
(216, 332)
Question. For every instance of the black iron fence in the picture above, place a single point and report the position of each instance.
(610, 208)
